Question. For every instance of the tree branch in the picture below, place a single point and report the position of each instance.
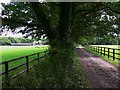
(118, 12)
(95, 8)
(43, 20)
(19, 22)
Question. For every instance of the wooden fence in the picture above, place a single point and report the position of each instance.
(109, 52)
(27, 62)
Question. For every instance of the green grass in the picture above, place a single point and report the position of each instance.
(11, 52)
(111, 50)
(43, 76)
(109, 46)
(110, 59)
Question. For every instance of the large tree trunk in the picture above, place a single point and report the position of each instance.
(61, 61)
(62, 47)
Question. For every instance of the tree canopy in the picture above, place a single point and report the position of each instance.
(79, 19)
(64, 24)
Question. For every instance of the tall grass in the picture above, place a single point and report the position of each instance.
(43, 76)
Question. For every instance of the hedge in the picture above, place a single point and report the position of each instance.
(9, 40)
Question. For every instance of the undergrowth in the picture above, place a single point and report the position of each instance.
(42, 76)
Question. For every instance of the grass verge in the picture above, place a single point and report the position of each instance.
(115, 62)
(42, 76)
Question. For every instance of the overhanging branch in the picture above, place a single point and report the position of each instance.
(43, 20)
(20, 22)
(115, 11)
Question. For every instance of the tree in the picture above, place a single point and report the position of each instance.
(4, 41)
(64, 24)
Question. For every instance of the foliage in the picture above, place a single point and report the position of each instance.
(63, 24)
(84, 18)
(43, 76)
(4, 41)
(9, 40)
(102, 40)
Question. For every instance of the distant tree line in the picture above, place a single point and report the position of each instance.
(106, 40)
(9, 40)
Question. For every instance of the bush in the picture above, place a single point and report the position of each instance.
(12, 39)
(9, 40)
(5, 41)
(43, 76)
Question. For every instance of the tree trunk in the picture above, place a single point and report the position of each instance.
(62, 47)
(61, 61)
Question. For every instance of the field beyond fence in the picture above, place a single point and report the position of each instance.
(113, 53)
(13, 67)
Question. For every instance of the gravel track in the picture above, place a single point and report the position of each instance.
(101, 73)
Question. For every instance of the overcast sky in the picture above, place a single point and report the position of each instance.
(20, 35)
(5, 1)
(8, 33)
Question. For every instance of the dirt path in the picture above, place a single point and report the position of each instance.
(101, 73)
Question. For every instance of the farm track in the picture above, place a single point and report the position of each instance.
(101, 73)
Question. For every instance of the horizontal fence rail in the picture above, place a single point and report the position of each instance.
(109, 52)
(26, 63)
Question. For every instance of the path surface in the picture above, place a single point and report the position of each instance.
(101, 73)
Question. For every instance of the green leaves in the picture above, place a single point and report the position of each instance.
(9, 40)
(45, 18)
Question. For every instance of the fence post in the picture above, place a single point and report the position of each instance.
(104, 51)
(45, 54)
(27, 64)
(113, 54)
(94, 49)
(98, 50)
(108, 52)
(6, 74)
(38, 57)
(101, 50)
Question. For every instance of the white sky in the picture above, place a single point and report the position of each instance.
(5, 1)
(1, 8)
(8, 33)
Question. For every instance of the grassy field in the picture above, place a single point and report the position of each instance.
(10, 52)
(110, 59)
(109, 46)
(41, 75)
(111, 50)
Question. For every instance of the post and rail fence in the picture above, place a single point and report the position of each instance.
(27, 62)
(109, 52)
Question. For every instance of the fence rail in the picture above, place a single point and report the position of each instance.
(26, 63)
(109, 52)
